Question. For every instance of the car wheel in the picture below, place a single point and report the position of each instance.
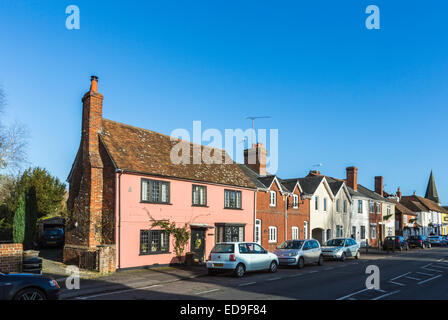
(343, 256)
(321, 260)
(240, 270)
(273, 267)
(358, 255)
(300, 263)
(30, 294)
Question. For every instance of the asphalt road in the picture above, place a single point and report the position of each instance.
(414, 275)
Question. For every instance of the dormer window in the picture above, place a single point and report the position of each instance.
(295, 201)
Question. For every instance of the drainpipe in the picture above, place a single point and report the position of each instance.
(120, 172)
(255, 216)
(286, 217)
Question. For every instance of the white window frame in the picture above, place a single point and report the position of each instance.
(345, 206)
(338, 205)
(272, 198)
(305, 229)
(325, 204)
(257, 228)
(372, 232)
(295, 201)
(316, 203)
(360, 205)
(294, 233)
(272, 234)
(371, 207)
(378, 207)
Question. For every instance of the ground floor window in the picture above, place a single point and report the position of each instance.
(389, 231)
(329, 234)
(154, 241)
(258, 231)
(363, 232)
(354, 232)
(229, 233)
(272, 234)
(295, 233)
(338, 231)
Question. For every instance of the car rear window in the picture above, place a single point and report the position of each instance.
(53, 232)
(335, 243)
(224, 248)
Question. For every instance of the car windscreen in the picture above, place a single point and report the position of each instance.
(335, 243)
(291, 245)
(53, 232)
(224, 248)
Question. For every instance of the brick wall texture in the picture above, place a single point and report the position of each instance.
(11, 257)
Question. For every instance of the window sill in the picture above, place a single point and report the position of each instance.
(272, 241)
(233, 208)
(149, 202)
(152, 253)
(200, 205)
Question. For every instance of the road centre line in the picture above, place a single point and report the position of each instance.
(118, 291)
(438, 276)
(386, 295)
(208, 291)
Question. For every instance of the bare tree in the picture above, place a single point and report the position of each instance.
(12, 141)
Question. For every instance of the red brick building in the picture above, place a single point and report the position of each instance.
(281, 211)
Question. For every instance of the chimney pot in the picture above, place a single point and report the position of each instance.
(93, 83)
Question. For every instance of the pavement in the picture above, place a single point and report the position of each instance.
(413, 274)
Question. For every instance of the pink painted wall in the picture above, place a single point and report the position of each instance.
(135, 216)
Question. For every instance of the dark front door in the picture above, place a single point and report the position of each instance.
(198, 244)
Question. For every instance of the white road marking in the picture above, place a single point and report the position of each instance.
(327, 269)
(412, 278)
(360, 291)
(397, 283)
(436, 266)
(272, 279)
(438, 276)
(246, 284)
(426, 274)
(208, 291)
(118, 291)
(386, 295)
(429, 269)
(314, 271)
(405, 274)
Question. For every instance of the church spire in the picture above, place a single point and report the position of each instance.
(431, 190)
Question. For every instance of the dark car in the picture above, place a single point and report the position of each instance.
(419, 242)
(22, 286)
(52, 238)
(395, 243)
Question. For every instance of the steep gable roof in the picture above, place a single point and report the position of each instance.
(139, 150)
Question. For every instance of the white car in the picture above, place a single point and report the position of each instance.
(240, 257)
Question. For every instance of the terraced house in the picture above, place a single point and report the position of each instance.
(123, 179)
(282, 213)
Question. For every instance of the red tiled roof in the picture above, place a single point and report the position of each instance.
(144, 151)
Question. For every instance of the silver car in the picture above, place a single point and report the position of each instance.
(341, 249)
(240, 257)
(299, 252)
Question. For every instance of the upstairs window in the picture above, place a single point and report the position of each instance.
(199, 195)
(325, 204)
(295, 201)
(232, 199)
(372, 207)
(378, 208)
(345, 206)
(338, 205)
(359, 206)
(388, 211)
(316, 203)
(272, 198)
(155, 191)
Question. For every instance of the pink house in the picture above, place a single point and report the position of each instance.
(123, 179)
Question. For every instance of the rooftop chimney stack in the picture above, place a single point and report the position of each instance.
(255, 158)
(399, 194)
(94, 83)
(352, 177)
(379, 185)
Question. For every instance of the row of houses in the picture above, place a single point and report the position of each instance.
(123, 179)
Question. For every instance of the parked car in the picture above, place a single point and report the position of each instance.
(240, 257)
(299, 252)
(395, 243)
(445, 240)
(52, 237)
(17, 286)
(419, 242)
(340, 249)
(437, 241)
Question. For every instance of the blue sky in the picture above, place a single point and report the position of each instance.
(339, 94)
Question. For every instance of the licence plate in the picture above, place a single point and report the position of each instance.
(51, 242)
(218, 265)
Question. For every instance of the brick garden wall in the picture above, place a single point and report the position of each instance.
(11, 257)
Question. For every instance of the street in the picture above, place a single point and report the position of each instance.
(415, 274)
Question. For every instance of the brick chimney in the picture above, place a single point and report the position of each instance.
(379, 185)
(399, 194)
(255, 158)
(90, 198)
(352, 177)
(314, 173)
